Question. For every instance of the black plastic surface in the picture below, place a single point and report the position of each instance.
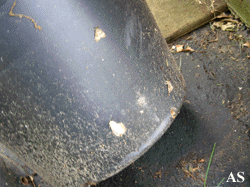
(60, 88)
(2, 2)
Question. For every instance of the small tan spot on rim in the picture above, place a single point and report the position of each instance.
(173, 112)
(170, 87)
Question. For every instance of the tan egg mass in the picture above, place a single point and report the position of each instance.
(117, 128)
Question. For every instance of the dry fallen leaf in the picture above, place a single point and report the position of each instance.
(229, 26)
(157, 174)
(189, 49)
(28, 180)
(24, 181)
(187, 101)
(223, 15)
(180, 48)
(191, 169)
(247, 44)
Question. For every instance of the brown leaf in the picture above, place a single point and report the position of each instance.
(229, 26)
(188, 49)
(24, 181)
(191, 169)
(179, 48)
(28, 180)
(187, 101)
(247, 44)
(223, 15)
(157, 174)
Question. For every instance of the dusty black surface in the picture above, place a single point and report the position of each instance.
(216, 110)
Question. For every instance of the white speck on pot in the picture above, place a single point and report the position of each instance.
(117, 128)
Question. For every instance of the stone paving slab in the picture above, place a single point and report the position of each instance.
(176, 18)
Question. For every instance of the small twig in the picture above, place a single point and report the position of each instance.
(230, 20)
(215, 40)
(212, 6)
(180, 63)
(189, 174)
(203, 40)
(21, 15)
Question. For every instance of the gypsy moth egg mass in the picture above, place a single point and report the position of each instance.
(99, 34)
(117, 128)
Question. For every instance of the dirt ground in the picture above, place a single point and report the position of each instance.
(216, 110)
